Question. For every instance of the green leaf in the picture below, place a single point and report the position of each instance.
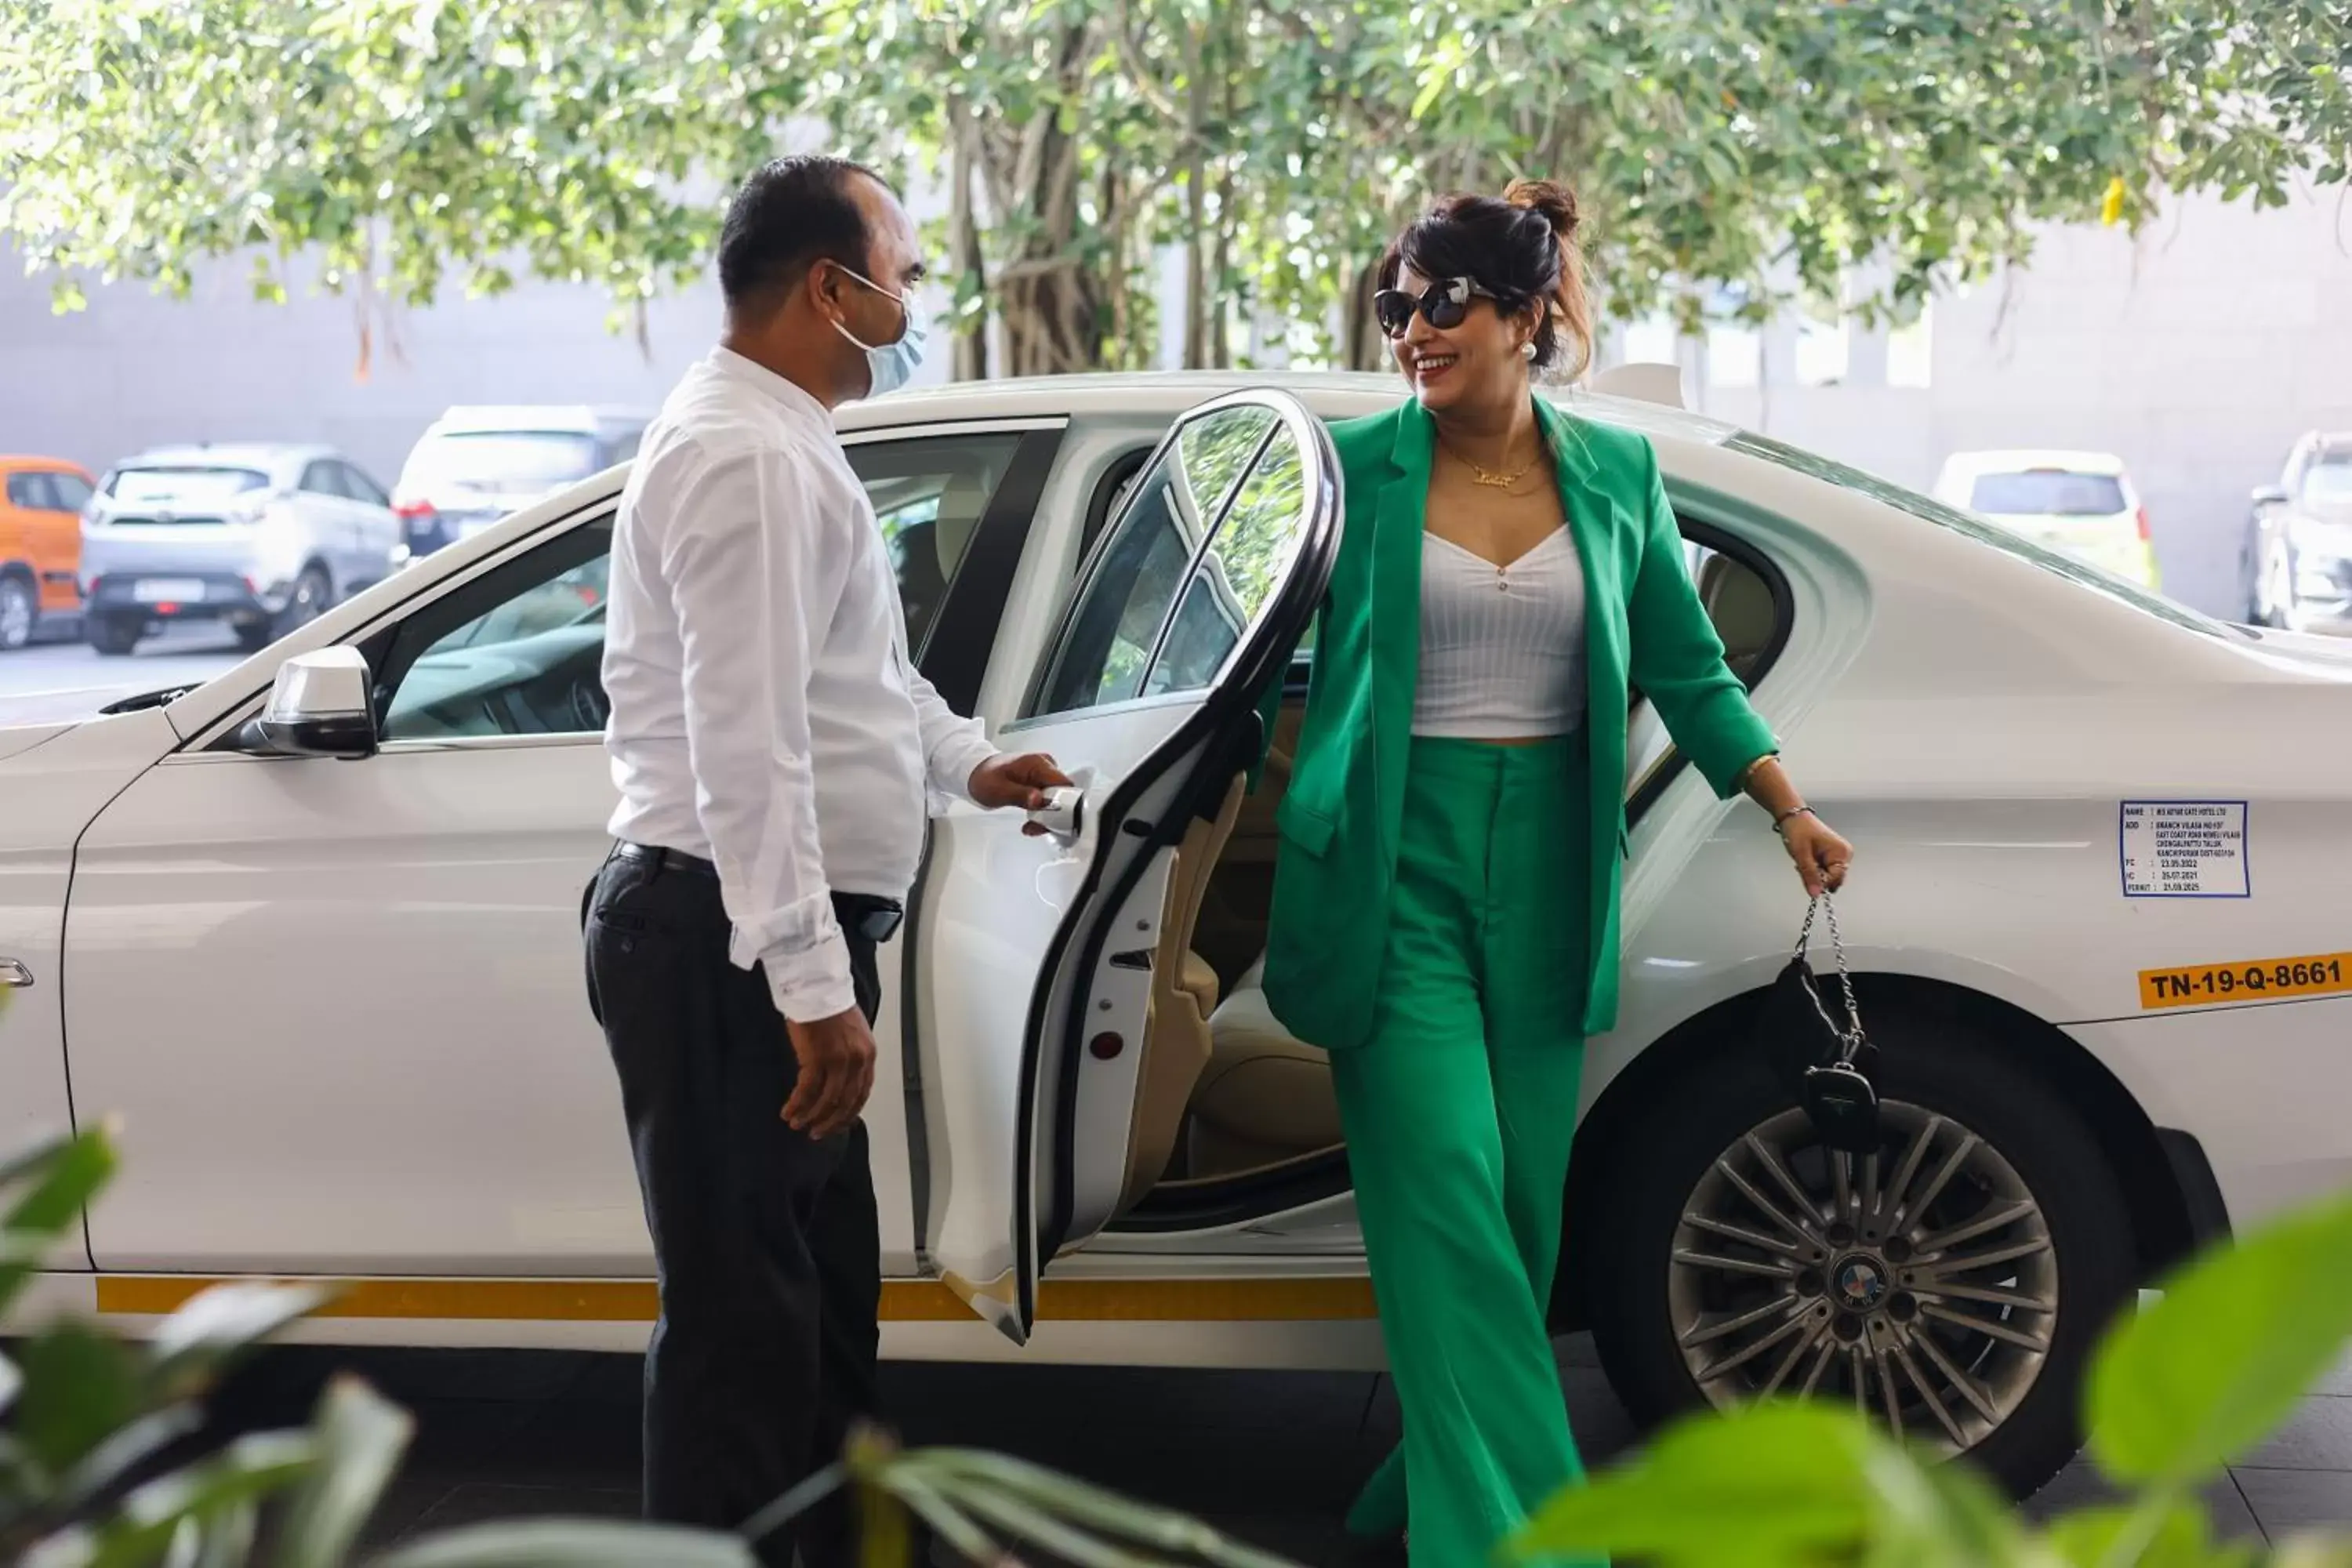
(1780, 1483)
(194, 1344)
(122, 1452)
(249, 1469)
(2202, 1375)
(79, 1388)
(65, 1181)
(2312, 1552)
(31, 1155)
(2174, 1536)
(574, 1544)
(360, 1436)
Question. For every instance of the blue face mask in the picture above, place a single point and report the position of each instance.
(891, 366)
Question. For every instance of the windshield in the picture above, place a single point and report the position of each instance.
(2329, 479)
(146, 487)
(1976, 529)
(502, 460)
(2047, 492)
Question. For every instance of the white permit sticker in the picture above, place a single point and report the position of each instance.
(2185, 849)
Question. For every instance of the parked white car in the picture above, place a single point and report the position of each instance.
(475, 464)
(311, 929)
(2082, 504)
(2295, 564)
(261, 537)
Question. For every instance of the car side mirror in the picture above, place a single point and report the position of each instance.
(2269, 495)
(320, 706)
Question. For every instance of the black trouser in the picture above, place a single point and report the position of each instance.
(766, 1241)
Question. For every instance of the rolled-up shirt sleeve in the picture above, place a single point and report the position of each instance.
(756, 569)
(954, 746)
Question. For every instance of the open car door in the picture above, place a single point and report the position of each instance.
(1043, 955)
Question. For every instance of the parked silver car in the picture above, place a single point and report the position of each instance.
(2296, 562)
(474, 465)
(262, 537)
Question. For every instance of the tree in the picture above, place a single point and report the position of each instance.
(1274, 144)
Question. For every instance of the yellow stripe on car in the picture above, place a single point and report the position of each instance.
(903, 1300)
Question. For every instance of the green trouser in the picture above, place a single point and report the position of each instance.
(1458, 1114)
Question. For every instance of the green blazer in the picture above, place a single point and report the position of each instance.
(1341, 816)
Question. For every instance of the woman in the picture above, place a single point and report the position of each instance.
(1445, 902)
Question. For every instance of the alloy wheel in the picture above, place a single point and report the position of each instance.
(1920, 1281)
(17, 612)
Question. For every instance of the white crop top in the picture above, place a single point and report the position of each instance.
(1502, 647)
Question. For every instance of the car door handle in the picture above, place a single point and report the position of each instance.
(14, 976)
(1063, 814)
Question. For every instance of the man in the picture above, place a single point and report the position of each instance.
(775, 750)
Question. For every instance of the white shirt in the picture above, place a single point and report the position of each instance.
(1502, 647)
(764, 713)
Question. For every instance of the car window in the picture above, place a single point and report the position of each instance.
(71, 492)
(32, 492)
(929, 494)
(1747, 611)
(183, 482)
(517, 651)
(520, 650)
(1237, 578)
(1132, 587)
(2047, 492)
(322, 479)
(2328, 480)
(1828, 471)
(359, 487)
(501, 462)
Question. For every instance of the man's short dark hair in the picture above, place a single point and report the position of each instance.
(792, 214)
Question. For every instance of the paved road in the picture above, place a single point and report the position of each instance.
(63, 680)
(1271, 1457)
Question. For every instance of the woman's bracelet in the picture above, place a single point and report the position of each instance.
(1780, 822)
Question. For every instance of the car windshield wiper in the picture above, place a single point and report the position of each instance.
(147, 700)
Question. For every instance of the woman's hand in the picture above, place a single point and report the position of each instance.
(1821, 856)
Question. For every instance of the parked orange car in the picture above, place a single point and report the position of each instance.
(40, 544)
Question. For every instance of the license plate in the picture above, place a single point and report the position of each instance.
(168, 590)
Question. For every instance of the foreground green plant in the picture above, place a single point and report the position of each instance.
(2177, 1391)
(103, 1462)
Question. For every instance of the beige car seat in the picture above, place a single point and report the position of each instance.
(1739, 603)
(1266, 1097)
(1176, 1038)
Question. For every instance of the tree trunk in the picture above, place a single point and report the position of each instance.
(1052, 308)
(965, 257)
(1196, 203)
(1365, 348)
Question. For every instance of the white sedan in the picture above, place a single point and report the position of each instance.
(311, 929)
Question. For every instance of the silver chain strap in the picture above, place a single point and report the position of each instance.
(1850, 1037)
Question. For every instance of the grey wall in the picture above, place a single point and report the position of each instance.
(2197, 352)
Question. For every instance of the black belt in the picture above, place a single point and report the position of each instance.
(866, 915)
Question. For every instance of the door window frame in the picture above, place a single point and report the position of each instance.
(1097, 558)
(955, 660)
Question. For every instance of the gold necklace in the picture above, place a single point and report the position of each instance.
(1491, 477)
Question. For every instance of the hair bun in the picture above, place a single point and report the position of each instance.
(1555, 202)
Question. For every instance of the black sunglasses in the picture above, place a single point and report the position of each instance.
(1444, 304)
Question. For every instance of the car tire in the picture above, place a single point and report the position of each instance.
(313, 595)
(114, 636)
(256, 636)
(1656, 1286)
(20, 611)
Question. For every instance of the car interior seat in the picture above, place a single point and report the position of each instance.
(1739, 603)
(1183, 996)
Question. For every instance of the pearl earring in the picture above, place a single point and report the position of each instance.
(1528, 349)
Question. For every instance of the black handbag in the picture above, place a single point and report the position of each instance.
(1823, 1064)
